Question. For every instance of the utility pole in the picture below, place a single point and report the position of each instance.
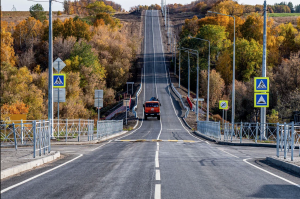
(264, 72)
(50, 68)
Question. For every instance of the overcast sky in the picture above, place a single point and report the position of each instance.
(24, 5)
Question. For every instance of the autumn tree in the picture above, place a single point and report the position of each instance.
(98, 7)
(216, 85)
(7, 50)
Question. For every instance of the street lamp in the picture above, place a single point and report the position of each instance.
(208, 73)
(194, 52)
(233, 73)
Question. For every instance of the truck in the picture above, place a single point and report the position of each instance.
(152, 108)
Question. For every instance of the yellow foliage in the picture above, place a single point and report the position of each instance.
(26, 30)
(7, 50)
(15, 108)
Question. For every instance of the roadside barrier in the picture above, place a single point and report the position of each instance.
(180, 97)
(137, 96)
(211, 129)
(69, 129)
(288, 136)
(107, 128)
(189, 102)
(35, 133)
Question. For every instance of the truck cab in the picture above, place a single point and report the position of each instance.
(152, 108)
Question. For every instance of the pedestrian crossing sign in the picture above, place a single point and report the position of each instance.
(261, 100)
(261, 84)
(223, 104)
(59, 80)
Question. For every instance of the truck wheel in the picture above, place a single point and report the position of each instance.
(158, 117)
(145, 117)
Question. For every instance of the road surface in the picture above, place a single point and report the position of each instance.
(180, 166)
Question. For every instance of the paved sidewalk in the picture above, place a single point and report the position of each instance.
(16, 161)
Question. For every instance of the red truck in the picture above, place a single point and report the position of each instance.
(152, 108)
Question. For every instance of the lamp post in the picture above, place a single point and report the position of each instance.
(233, 73)
(194, 52)
(50, 69)
(208, 73)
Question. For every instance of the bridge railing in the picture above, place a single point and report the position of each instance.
(19, 135)
(107, 128)
(137, 100)
(73, 129)
(211, 129)
(288, 136)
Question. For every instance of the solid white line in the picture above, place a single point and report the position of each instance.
(29, 179)
(297, 185)
(157, 174)
(157, 194)
(207, 143)
(155, 76)
(228, 153)
(157, 147)
(169, 87)
(101, 146)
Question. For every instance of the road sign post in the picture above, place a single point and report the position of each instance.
(126, 104)
(98, 101)
(131, 86)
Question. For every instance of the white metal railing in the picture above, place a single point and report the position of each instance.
(288, 136)
(136, 100)
(211, 129)
(109, 127)
(36, 133)
(73, 128)
(180, 97)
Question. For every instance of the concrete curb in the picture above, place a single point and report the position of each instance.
(233, 144)
(186, 123)
(284, 164)
(28, 165)
(89, 142)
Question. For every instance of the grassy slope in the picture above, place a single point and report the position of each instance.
(283, 14)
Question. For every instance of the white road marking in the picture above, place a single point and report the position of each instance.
(157, 174)
(29, 179)
(228, 153)
(101, 146)
(297, 185)
(207, 142)
(155, 76)
(156, 160)
(157, 147)
(157, 194)
(169, 86)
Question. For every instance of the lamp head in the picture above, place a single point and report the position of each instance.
(209, 11)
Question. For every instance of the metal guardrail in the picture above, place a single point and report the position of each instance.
(73, 128)
(180, 97)
(36, 134)
(288, 136)
(110, 127)
(136, 101)
(211, 129)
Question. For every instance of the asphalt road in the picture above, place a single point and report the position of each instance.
(180, 166)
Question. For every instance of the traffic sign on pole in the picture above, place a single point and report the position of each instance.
(59, 80)
(98, 94)
(58, 65)
(261, 84)
(261, 100)
(98, 103)
(223, 104)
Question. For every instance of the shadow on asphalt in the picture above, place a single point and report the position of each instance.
(268, 191)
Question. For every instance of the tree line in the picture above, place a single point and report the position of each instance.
(283, 60)
(98, 55)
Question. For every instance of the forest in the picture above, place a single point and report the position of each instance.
(283, 60)
(96, 50)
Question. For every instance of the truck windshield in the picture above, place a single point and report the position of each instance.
(151, 104)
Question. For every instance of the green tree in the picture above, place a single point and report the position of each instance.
(98, 7)
(37, 11)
